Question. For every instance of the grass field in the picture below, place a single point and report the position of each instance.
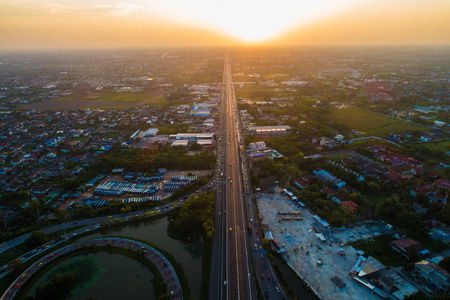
(337, 156)
(443, 146)
(250, 91)
(101, 99)
(372, 123)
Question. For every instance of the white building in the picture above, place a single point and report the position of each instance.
(151, 132)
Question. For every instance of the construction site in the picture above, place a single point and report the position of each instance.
(319, 255)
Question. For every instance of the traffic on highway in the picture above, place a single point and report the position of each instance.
(237, 249)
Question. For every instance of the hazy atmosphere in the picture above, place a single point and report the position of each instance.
(37, 24)
(238, 149)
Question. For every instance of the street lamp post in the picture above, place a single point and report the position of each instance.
(140, 251)
(64, 225)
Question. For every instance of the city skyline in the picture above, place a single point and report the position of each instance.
(29, 25)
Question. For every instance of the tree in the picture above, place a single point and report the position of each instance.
(422, 199)
(36, 239)
(69, 184)
(195, 147)
(16, 266)
(59, 287)
(195, 217)
(445, 263)
(373, 188)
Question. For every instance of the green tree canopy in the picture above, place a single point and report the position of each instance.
(59, 287)
(445, 263)
(36, 239)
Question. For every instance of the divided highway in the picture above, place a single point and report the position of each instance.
(238, 260)
(231, 271)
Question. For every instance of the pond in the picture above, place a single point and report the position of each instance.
(104, 275)
(188, 256)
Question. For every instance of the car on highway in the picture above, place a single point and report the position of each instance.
(265, 266)
(268, 277)
(273, 281)
(256, 247)
(262, 276)
(262, 256)
(277, 289)
(268, 289)
(23, 275)
(17, 286)
(40, 264)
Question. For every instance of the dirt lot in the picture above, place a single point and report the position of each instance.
(301, 235)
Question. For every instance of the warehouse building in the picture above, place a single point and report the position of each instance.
(151, 132)
(192, 137)
(268, 131)
(183, 143)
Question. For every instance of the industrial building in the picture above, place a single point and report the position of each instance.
(183, 143)
(192, 137)
(151, 132)
(268, 131)
(200, 110)
(205, 143)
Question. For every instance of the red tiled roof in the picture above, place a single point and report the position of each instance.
(350, 205)
(443, 182)
(406, 243)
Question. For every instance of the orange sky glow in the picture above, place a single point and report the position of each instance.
(52, 24)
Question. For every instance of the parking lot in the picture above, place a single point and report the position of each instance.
(161, 192)
(304, 249)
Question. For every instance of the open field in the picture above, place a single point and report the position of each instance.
(443, 146)
(338, 155)
(372, 123)
(249, 91)
(98, 100)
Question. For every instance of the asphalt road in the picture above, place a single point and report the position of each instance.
(236, 251)
(14, 242)
(163, 265)
(233, 273)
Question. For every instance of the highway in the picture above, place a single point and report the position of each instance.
(236, 252)
(237, 256)
(163, 265)
(231, 268)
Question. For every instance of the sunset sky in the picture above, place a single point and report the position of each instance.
(42, 24)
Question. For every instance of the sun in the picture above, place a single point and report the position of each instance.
(248, 20)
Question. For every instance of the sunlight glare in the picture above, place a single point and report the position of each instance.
(249, 20)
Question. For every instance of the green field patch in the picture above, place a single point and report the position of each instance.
(254, 92)
(372, 123)
(442, 146)
(338, 156)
